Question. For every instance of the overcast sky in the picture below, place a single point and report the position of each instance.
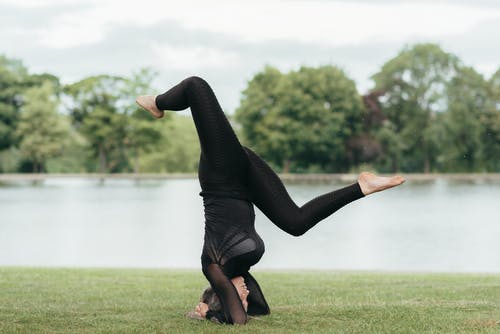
(227, 42)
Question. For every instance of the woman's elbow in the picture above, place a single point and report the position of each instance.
(240, 320)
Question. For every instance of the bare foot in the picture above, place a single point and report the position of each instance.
(371, 183)
(148, 102)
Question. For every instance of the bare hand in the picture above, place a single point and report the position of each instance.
(201, 309)
(241, 288)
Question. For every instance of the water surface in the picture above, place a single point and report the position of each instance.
(432, 226)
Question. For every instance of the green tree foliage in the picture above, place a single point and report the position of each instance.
(468, 99)
(178, 152)
(14, 82)
(414, 83)
(12, 85)
(490, 123)
(75, 154)
(302, 119)
(428, 112)
(103, 109)
(142, 136)
(42, 130)
(94, 109)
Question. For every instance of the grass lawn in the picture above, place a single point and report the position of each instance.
(42, 300)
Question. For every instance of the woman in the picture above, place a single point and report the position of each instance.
(232, 179)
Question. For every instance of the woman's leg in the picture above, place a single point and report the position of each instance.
(222, 158)
(271, 197)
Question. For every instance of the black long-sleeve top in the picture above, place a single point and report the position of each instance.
(231, 247)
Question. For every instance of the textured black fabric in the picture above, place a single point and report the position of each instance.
(232, 177)
(257, 304)
(271, 197)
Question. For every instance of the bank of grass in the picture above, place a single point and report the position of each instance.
(34, 300)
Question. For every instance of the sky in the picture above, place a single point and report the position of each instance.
(228, 42)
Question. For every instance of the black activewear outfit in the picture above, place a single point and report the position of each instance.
(232, 179)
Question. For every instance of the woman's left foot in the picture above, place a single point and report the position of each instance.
(371, 183)
(148, 102)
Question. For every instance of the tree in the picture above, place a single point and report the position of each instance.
(468, 98)
(365, 148)
(94, 109)
(42, 131)
(142, 135)
(103, 108)
(490, 124)
(414, 83)
(303, 119)
(12, 77)
(180, 153)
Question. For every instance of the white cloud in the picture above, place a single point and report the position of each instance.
(228, 41)
(70, 31)
(487, 68)
(41, 3)
(334, 23)
(192, 58)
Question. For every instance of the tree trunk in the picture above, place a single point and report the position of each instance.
(427, 163)
(136, 161)
(286, 166)
(102, 159)
(395, 166)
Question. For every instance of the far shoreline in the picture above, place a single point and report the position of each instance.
(289, 177)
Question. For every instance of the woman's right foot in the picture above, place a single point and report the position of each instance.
(371, 183)
(148, 102)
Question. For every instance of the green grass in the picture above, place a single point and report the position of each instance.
(34, 300)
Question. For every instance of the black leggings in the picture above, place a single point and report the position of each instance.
(226, 164)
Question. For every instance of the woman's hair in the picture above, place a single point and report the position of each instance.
(210, 298)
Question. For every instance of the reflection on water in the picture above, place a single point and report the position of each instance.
(434, 225)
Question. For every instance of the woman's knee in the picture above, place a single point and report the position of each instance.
(294, 226)
(195, 81)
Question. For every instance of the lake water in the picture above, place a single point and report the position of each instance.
(421, 226)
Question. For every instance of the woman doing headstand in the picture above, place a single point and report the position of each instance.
(232, 179)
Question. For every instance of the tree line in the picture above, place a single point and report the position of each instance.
(92, 125)
(427, 112)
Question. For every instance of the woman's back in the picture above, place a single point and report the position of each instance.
(230, 237)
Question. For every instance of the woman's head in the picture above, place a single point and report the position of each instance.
(210, 298)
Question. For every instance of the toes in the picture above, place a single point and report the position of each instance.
(398, 179)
